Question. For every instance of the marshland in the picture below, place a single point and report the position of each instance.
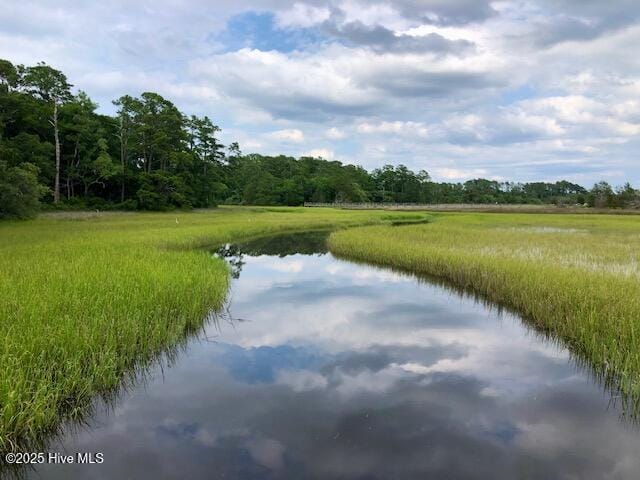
(87, 297)
(328, 239)
(377, 312)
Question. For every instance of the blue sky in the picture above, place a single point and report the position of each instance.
(521, 90)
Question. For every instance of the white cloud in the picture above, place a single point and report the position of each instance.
(302, 15)
(397, 127)
(289, 135)
(459, 174)
(374, 13)
(334, 133)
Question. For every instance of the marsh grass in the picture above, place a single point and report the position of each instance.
(86, 299)
(580, 288)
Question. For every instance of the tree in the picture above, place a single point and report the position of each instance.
(627, 196)
(234, 150)
(9, 76)
(82, 133)
(99, 169)
(601, 195)
(203, 142)
(51, 86)
(127, 107)
(158, 130)
(9, 103)
(19, 191)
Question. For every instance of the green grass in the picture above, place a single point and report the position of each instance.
(574, 277)
(84, 298)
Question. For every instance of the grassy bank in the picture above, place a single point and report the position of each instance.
(84, 297)
(576, 277)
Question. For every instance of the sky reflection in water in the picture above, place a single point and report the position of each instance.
(347, 371)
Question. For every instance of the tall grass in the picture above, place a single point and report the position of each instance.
(574, 277)
(84, 298)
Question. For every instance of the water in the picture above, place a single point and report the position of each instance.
(322, 368)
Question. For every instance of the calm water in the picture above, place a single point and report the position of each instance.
(326, 369)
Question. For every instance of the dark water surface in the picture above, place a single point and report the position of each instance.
(322, 368)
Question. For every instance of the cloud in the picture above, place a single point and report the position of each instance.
(446, 12)
(338, 81)
(397, 128)
(381, 39)
(289, 135)
(287, 86)
(335, 134)
(573, 20)
(413, 81)
(458, 174)
(303, 15)
(563, 30)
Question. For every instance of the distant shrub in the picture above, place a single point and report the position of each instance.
(98, 203)
(233, 200)
(19, 191)
(130, 204)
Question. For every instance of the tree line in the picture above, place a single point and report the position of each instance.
(57, 151)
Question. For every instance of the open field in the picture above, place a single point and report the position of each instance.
(575, 277)
(84, 297)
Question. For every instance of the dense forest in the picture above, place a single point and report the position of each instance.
(57, 151)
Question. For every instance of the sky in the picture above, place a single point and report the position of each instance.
(509, 90)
